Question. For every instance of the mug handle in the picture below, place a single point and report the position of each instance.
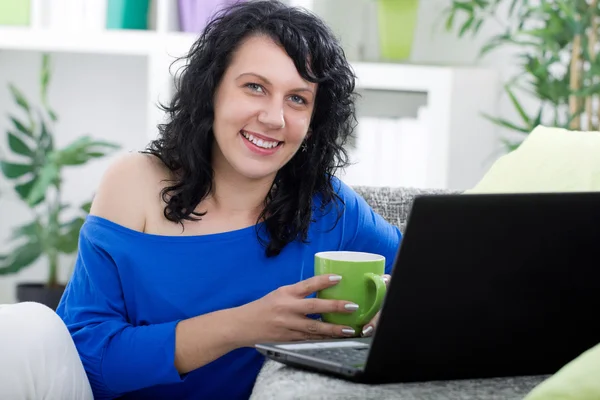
(380, 289)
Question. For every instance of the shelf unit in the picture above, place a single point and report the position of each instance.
(461, 141)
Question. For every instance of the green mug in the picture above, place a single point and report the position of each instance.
(362, 283)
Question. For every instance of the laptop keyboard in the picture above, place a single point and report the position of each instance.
(355, 356)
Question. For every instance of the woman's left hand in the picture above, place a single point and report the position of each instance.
(369, 328)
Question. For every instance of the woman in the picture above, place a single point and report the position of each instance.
(203, 245)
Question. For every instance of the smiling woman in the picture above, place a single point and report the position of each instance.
(203, 245)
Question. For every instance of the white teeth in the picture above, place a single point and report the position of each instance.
(259, 142)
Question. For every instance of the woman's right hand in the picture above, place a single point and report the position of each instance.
(281, 316)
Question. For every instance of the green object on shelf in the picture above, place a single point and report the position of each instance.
(14, 12)
(127, 14)
(397, 20)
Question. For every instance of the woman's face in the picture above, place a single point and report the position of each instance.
(262, 111)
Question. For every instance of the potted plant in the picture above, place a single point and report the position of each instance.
(35, 167)
(558, 56)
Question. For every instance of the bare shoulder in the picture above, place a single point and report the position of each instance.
(129, 189)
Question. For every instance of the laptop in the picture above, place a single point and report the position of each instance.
(483, 285)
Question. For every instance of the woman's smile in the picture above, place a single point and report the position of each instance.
(260, 144)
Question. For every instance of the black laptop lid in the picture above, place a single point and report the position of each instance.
(491, 285)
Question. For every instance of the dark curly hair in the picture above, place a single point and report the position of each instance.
(185, 142)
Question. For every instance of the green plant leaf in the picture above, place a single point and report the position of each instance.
(538, 119)
(450, 20)
(506, 124)
(52, 115)
(572, 117)
(72, 153)
(482, 3)
(82, 150)
(462, 5)
(31, 230)
(46, 141)
(48, 175)
(17, 145)
(45, 77)
(23, 190)
(510, 146)
(512, 7)
(20, 126)
(21, 257)
(86, 207)
(100, 149)
(504, 39)
(68, 240)
(466, 26)
(477, 27)
(14, 171)
(588, 90)
(95, 154)
(566, 8)
(102, 143)
(493, 42)
(517, 105)
(18, 97)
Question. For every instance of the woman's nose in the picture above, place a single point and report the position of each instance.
(272, 115)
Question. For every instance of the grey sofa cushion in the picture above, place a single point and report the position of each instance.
(394, 204)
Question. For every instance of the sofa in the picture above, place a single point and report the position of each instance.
(279, 382)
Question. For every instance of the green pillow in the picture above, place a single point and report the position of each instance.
(549, 160)
(578, 380)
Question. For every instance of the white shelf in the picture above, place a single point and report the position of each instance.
(115, 42)
(97, 42)
(405, 77)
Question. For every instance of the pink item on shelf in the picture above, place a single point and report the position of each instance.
(195, 14)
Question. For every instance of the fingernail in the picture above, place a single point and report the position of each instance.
(335, 278)
(386, 279)
(351, 307)
(367, 330)
(348, 331)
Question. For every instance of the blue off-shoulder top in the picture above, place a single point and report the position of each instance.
(129, 290)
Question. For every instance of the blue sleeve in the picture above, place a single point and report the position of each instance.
(365, 230)
(118, 357)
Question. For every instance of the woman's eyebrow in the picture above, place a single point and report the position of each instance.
(268, 82)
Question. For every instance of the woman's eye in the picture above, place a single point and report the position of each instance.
(297, 99)
(255, 87)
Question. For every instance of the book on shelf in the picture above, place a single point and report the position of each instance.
(89, 15)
